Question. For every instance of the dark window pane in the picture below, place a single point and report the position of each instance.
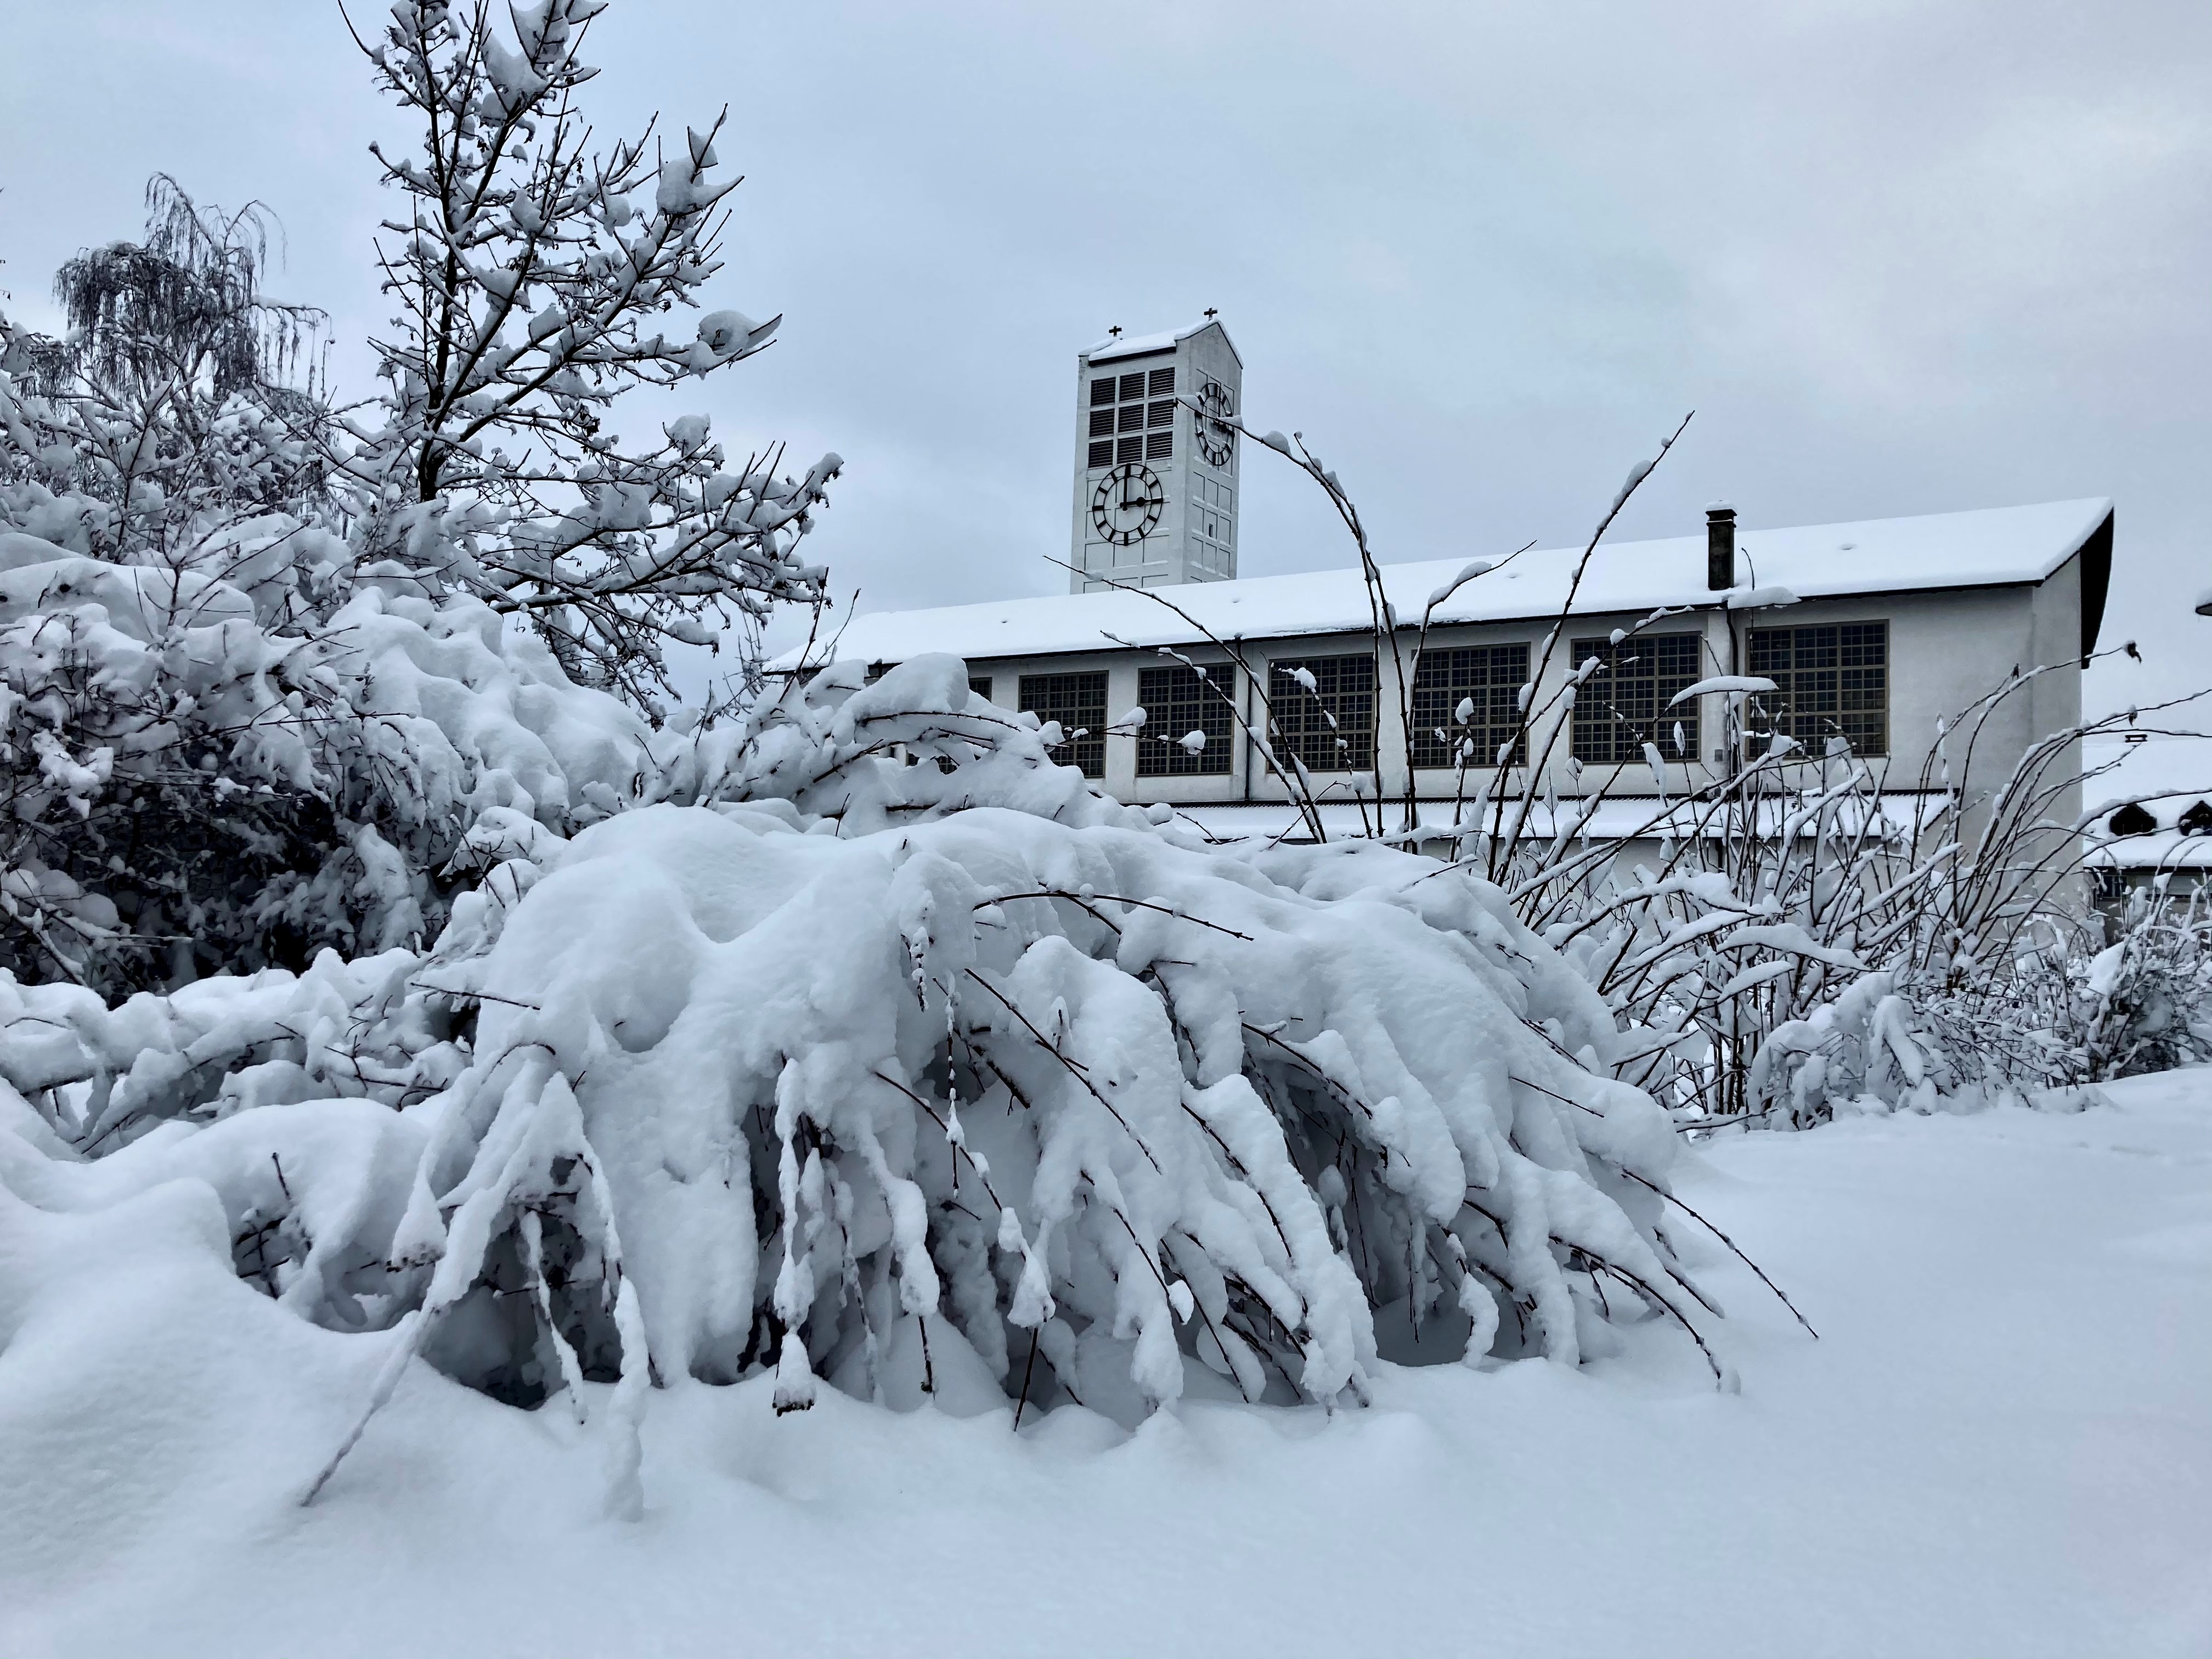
(1163, 382)
(1129, 449)
(1159, 446)
(1102, 454)
(1331, 727)
(1488, 676)
(1131, 417)
(1133, 386)
(1078, 701)
(1160, 414)
(1830, 681)
(1101, 422)
(1177, 702)
(979, 685)
(1624, 704)
(1101, 392)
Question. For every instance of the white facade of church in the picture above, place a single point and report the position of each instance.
(1156, 485)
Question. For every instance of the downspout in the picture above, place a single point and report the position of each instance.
(1245, 702)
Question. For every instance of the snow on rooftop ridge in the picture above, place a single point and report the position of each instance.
(1139, 345)
(1986, 547)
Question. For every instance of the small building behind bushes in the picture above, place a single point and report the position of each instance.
(2150, 818)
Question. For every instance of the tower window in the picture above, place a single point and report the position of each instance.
(1138, 409)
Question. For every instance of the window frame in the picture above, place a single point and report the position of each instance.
(1307, 734)
(1779, 709)
(1039, 695)
(1497, 713)
(1599, 710)
(1207, 708)
(1131, 417)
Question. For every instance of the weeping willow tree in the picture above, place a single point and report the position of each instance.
(181, 396)
(182, 310)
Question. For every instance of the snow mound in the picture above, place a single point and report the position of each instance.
(846, 1073)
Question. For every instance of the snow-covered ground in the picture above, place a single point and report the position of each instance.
(2001, 1445)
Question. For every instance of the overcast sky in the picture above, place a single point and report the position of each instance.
(1901, 256)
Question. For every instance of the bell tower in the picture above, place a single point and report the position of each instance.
(1156, 482)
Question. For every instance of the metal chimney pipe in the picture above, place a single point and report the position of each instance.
(1720, 546)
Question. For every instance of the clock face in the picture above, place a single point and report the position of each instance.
(1127, 503)
(1210, 423)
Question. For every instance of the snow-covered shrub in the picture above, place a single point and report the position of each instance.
(959, 1080)
(2142, 1003)
(191, 788)
(1796, 944)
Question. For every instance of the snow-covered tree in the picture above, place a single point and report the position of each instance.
(263, 662)
(181, 398)
(535, 280)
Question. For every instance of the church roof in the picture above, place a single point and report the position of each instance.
(1994, 547)
(1143, 345)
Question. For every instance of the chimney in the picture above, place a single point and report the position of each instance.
(1720, 546)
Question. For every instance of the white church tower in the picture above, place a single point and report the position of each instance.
(1156, 483)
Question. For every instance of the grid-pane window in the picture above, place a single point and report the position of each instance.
(1330, 723)
(1830, 681)
(1132, 418)
(1624, 704)
(1178, 701)
(1078, 701)
(979, 685)
(1490, 677)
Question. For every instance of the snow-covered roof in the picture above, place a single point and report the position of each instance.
(1139, 345)
(2169, 850)
(1620, 817)
(2166, 775)
(1997, 546)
